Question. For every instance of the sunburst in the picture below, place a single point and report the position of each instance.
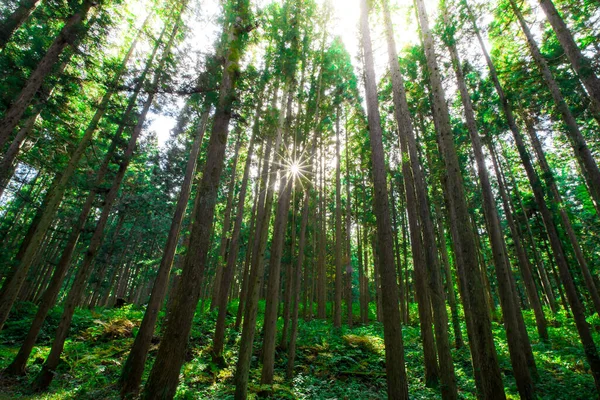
(295, 167)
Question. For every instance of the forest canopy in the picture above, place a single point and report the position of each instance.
(311, 199)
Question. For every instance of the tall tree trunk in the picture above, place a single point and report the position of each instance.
(54, 199)
(68, 34)
(510, 307)
(246, 272)
(223, 253)
(536, 253)
(589, 167)
(286, 185)
(46, 375)
(337, 309)
(163, 379)
(15, 20)
(486, 360)
(232, 255)
(321, 262)
(524, 264)
(131, 376)
(565, 274)
(416, 200)
(392, 331)
(581, 64)
(349, 242)
(257, 266)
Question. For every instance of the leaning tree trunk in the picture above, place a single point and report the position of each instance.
(15, 20)
(487, 362)
(581, 64)
(131, 376)
(163, 379)
(47, 373)
(510, 307)
(565, 274)
(584, 156)
(67, 36)
(416, 192)
(392, 331)
(232, 255)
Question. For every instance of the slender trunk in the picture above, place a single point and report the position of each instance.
(133, 369)
(246, 272)
(286, 186)
(15, 20)
(257, 266)
(486, 360)
(223, 253)
(392, 331)
(581, 64)
(524, 264)
(349, 272)
(536, 253)
(337, 309)
(321, 266)
(584, 156)
(228, 272)
(510, 307)
(67, 36)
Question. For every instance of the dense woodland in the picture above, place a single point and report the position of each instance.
(413, 217)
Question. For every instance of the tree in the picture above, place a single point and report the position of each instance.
(482, 342)
(394, 351)
(164, 376)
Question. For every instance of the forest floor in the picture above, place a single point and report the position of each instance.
(331, 363)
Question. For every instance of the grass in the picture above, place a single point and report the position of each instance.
(331, 363)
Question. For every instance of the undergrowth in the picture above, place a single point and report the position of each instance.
(331, 363)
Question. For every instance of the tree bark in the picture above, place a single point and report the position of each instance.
(257, 266)
(581, 64)
(223, 253)
(131, 376)
(163, 379)
(232, 255)
(67, 36)
(589, 167)
(392, 332)
(286, 185)
(15, 20)
(337, 309)
(524, 264)
(486, 360)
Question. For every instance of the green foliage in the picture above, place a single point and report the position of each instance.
(331, 363)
